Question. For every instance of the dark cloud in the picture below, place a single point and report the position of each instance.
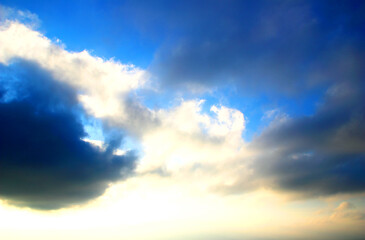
(284, 46)
(44, 163)
(318, 155)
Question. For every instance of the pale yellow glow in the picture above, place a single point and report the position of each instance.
(153, 208)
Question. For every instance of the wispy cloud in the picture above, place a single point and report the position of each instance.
(25, 17)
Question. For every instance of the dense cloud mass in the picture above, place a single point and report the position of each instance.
(44, 162)
(265, 46)
(320, 154)
(288, 47)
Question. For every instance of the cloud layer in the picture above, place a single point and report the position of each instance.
(317, 155)
(321, 154)
(257, 46)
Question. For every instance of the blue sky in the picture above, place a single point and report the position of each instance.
(98, 26)
(245, 112)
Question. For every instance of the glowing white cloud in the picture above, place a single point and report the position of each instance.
(199, 150)
(187, 118)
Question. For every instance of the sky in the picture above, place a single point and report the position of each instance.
(187, 120)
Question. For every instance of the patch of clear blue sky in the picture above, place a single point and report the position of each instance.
(107, 30)
(97, 26)
(94, 130)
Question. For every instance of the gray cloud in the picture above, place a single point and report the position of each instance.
(44, 162)
(318, 155)
(270, 46)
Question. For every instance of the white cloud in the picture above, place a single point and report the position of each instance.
(188, 118)
(103, 85)
(181, 140)
(199, 150)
